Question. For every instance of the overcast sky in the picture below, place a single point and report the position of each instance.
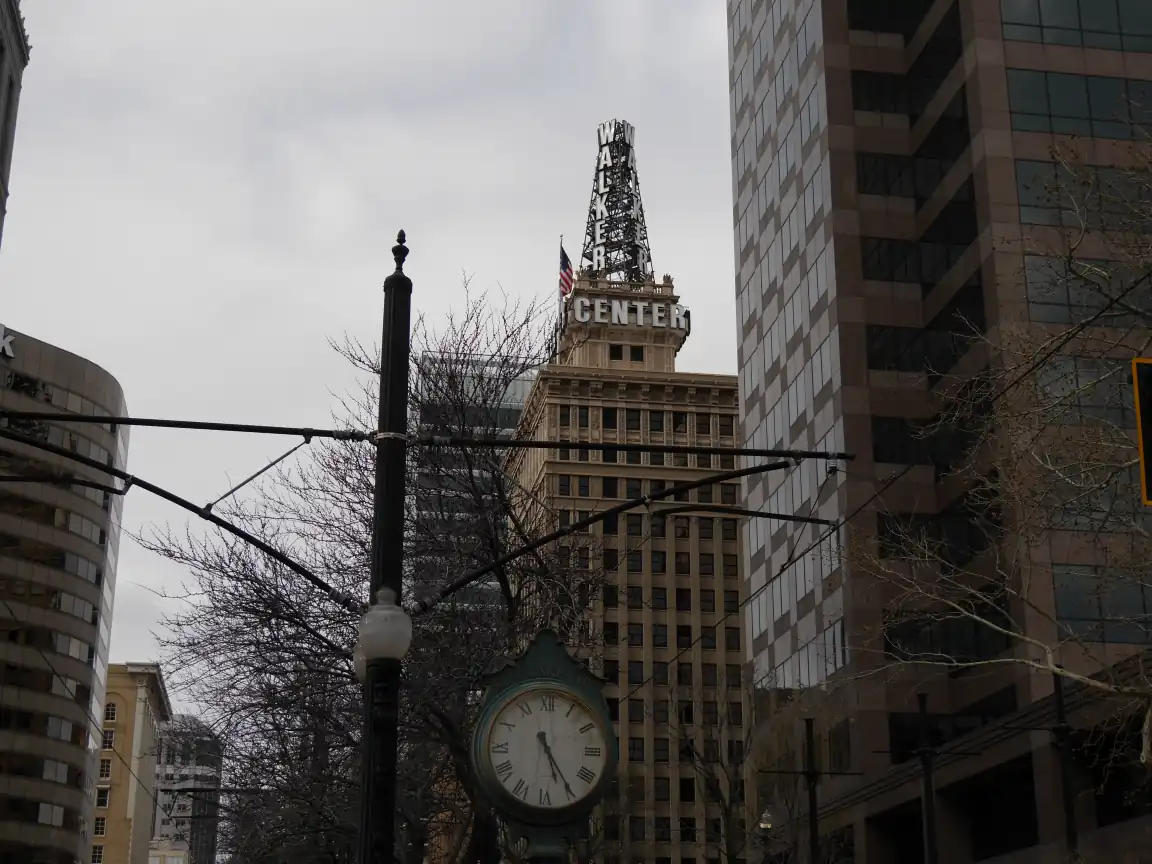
(203, 194)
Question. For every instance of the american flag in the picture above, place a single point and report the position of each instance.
(566, 273)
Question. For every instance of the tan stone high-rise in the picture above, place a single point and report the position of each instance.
(135, 706)
(668, 612)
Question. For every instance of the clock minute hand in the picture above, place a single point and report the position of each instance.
(555, 767)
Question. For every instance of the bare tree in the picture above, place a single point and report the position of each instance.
(1038, 560)
(269, 659)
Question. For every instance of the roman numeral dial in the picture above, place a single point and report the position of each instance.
(545, 748)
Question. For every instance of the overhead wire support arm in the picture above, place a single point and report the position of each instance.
(337, 596)
(624, 447)
(202, 425)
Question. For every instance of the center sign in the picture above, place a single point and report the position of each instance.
(643, 313)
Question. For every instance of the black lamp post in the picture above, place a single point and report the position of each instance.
(386, 630)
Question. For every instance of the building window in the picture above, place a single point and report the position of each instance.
(655, 421)
(659, 561)
(684, 711)
(632, 419)
(707, 600)
(635, 710)
(615, 352)
(611, 523)
(101, 797)
(684, 674)
(611, 562)
(660, 708)
(612, 670)
(731, 602)
(706, 527)
(636, 635)
(662, 826)
(108, 740)
(660, 748)
(636, 353)
(659, 635)
(634, 523)
(635, 749)
(583, 488)
(711, 713)
(683, 564)
(680, 421)
(727, 425)
(1097, 605)
(582, 416)
(659, 598)
(635, 596)
(683, 599)
(636, 561)
(583, 558)
(708, 638)
(632, 457)
(660, 670)
(1111, 24)
(611, 633)
(729, 493)
(563, 484)
(105, 769)
(732, 638)
(708, 674)
(661, 788)
(683, 635)
(99, 825)
(680, 524)
(731, 566)
(727, 529)
(110, 712)
(659, 525)
(1089, 105)
(707, 564)
(735, 714)
(565, 415)
(97, 855)
(687, 795)
(608, 418)
(635, 671)
(732, 676)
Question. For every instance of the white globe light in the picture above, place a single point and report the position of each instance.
(385, 629)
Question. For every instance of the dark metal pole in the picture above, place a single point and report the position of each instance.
(382, 682)
(927, 755)
(1067, 796)
(811, 777)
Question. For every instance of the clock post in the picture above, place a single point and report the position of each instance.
(543, 749)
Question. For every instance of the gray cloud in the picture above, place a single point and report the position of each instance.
(203, 194)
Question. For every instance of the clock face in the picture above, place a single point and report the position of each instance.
(546, 748)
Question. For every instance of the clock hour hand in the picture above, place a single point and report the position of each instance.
(552, 759)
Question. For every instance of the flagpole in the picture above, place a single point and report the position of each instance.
(560, 311)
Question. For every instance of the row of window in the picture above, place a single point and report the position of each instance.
(616, 456)
(45, 596)
(58, 436)
(1118, 25)
(814, 662)
(635, 353)
(27, 765)
(1088, 105)
(888, 16)
(658, 599)
(633, 487)
(46, 555)
(634, 636)
(709, 674)
(1060, 292)
(935, 348)
(610, 419)
(11, 463)
(662, 749)
(27, 810)
(634, 563)
(710, 714)
(657, 525)
(1079, 390)
(685, 831)
(1097, 197)
(42, 391)
(1101, 605)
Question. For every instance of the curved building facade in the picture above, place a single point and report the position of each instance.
(58, 547)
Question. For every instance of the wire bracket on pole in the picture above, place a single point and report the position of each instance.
(391, 436)
(207, 508)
